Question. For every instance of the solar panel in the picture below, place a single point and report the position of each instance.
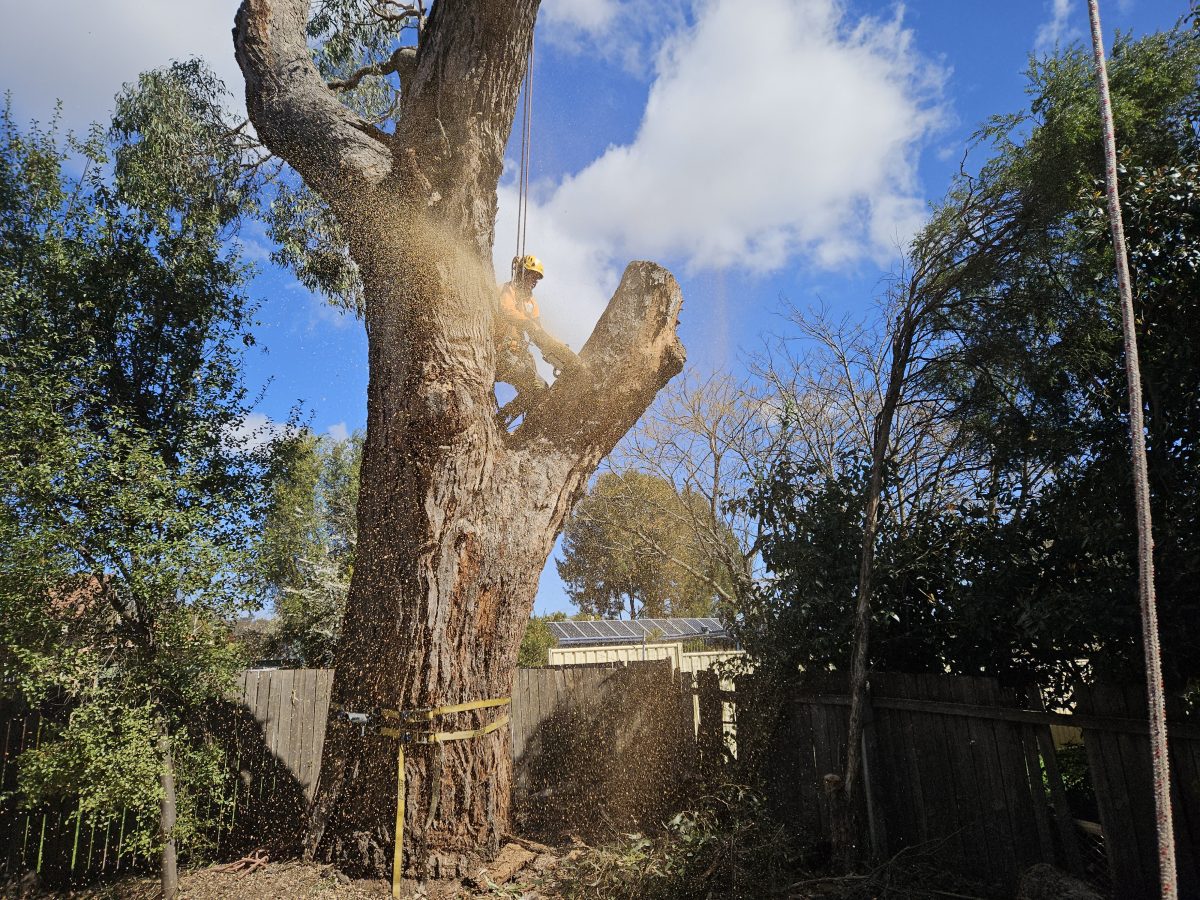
(625, 631)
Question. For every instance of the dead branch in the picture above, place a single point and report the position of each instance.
(251, 862)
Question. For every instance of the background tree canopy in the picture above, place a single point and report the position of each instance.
(1026, 569)
(129, 485)
(630, 548)
(308, 544)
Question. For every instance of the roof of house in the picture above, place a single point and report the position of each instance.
(624, 631)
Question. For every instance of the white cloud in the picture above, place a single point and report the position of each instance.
(1057, 29)
(788, 132)
(590, 17)
(339, 432)
(792, 133)
(254, 431)
(625, 32)
(765, 135)
(82, 51)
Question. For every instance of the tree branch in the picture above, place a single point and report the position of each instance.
(632, 352)
(403, 63)
(295, 114)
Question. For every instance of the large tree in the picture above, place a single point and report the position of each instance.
(456, 515)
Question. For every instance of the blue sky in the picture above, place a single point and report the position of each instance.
(780, 149)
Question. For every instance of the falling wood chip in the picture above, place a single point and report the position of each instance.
(511, 860)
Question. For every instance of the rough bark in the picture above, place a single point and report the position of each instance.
(456, 516)
(169, 863)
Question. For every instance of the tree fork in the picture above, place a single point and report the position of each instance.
(456, 516)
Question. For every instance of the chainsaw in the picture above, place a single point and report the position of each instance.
(561, 357)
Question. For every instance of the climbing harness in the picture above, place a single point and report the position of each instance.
(408, 731)
(526, 155)
(1150, 644)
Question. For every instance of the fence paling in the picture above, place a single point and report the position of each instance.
(1005, 813)
(954, 762)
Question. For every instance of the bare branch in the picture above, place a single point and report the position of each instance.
(402, 63)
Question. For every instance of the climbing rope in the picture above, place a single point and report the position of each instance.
(526, 154)
(1154, 679)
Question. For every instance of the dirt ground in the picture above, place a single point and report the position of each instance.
(521, 871)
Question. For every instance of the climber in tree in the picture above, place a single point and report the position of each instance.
(518, 324)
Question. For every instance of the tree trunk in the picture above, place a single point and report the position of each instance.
(844, 825)
(456, 515)
(169, 869)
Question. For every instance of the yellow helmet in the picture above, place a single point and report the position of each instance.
(531, 263)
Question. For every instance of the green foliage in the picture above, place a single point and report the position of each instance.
(103, 761)
(631, 546)
(537, 641)
(308, 544)
(129, 493)
(351, 34)
(1038, 377)
(727, 846)
(311, 242)
(1029, 575)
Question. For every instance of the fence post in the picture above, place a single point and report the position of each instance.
(711, 736)
(876, 826)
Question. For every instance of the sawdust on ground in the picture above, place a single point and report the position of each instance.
(522, 871)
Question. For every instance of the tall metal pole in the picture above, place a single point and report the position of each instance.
(1141, 488)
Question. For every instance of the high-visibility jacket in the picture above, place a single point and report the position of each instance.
(515, 311)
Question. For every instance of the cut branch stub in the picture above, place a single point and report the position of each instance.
(294, 112)
(632, 352)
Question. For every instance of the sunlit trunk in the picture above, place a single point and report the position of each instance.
(169, 866)
(456, 516)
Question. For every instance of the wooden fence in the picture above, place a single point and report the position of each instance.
(290, 708)
(966, 773)
(955, 768)
(597, 749)
(1118, 752)
(594, 747)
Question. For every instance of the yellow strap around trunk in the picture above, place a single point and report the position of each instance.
(428, 715)
(427, 737)
(398, 849)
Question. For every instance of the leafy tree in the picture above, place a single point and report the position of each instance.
(629, 548)
(1024, 568)
(308, 543)
(536, 644)
(128, 497)
(397, 122)
(1037, 377)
